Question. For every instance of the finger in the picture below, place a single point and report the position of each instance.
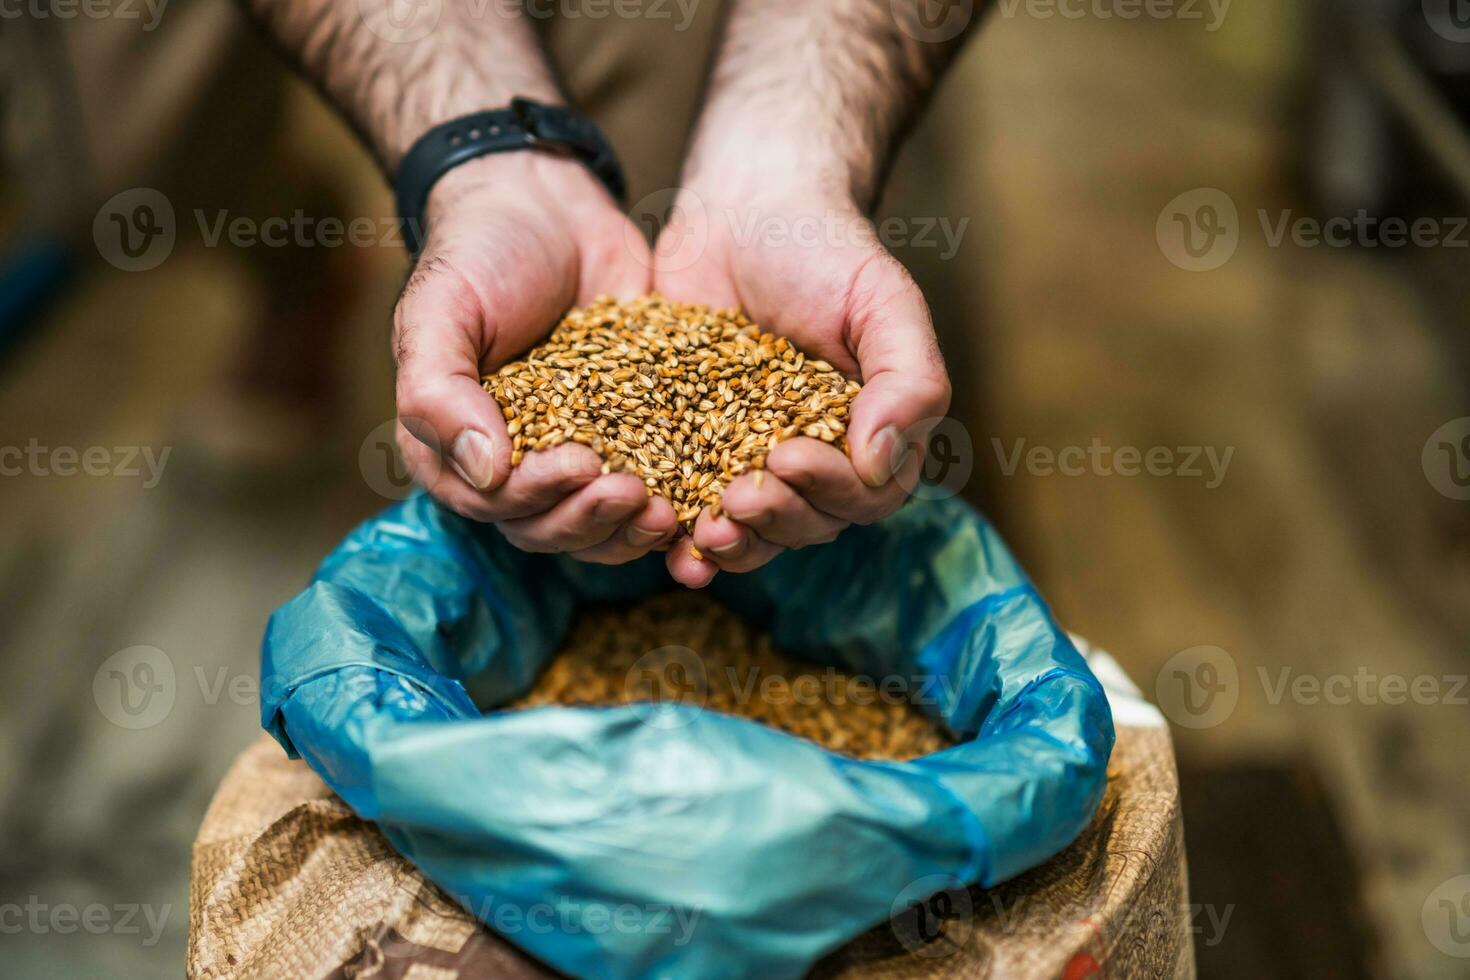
(825, 477)
(541, 481)
(686, 569)
(731, 546)
(777, 513)
(652, 527)
(905, 387)
(436, 346)
(443, 484)
(616, 259)
(688, 265)
(586, 518)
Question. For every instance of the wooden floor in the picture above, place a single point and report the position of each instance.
(1324, 549)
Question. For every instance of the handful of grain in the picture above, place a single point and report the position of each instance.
(684, 646)
(685, 397)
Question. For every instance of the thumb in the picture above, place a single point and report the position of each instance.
(906, 389)
(436, 343)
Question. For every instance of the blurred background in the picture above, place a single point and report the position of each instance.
(1200, 270)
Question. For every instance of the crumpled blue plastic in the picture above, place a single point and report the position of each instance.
(728, 849)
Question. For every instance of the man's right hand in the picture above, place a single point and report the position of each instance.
(514, 240)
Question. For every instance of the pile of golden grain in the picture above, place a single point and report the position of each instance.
(685, 397)
(685, 647)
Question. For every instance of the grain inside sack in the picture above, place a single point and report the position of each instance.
(685, 397)
(684, 646)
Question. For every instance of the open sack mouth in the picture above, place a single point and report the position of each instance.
(405, 672)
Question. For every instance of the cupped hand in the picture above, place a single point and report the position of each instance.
(513, 241)
(809, 267)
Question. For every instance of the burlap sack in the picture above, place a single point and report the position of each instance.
(288, 882)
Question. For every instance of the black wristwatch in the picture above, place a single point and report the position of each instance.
(525, 125)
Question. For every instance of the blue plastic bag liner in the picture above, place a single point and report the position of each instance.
(677, 842)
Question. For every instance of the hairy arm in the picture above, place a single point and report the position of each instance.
(396, 68)
(513, 239)
(823, 88)
(807, 104)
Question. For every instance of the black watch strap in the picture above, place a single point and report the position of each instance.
(524, 125)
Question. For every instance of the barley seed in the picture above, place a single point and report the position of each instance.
(685, 397)
(617, 656)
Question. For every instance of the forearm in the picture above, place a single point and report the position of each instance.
(819, 91)
(474, 57)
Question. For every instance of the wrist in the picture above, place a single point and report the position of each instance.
(469, 62)
(450, 102)
(787, 181)
(746, 164)
(526, 179)
(513, 155)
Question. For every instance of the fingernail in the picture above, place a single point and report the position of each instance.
(473, 458)
(885, 452)
(639, 538)
(734, 549)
